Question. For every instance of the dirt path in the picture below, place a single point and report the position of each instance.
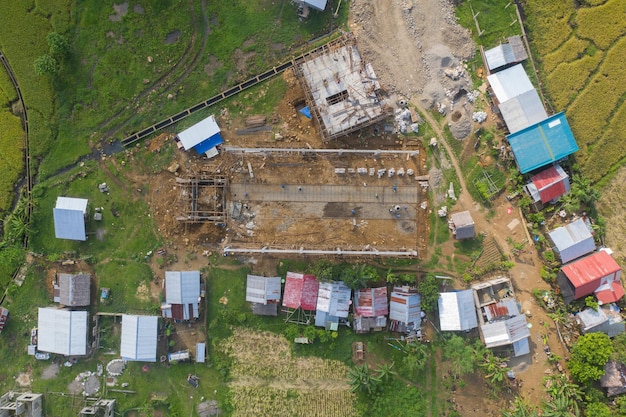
(410, 44)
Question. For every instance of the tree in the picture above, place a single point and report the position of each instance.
(597, 409)
(358, 276)
(46, 65)
(589, 355)
(59, 47)
(429, 291)
(460, 354)
(494, 371)
(558, 385)
(362, 380)
(619, 349)
(323, 270)
(417, 355)
(385, 371)
(559, 407)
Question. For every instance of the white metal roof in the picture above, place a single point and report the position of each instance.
(457, 311)
(316, 4)
(69, 218)
(334, 298)
(200, 352)
(405, 307)
(139, 338)
(499, 56)
(572, 240)
(522, 111)
(182, 287)
(62, 331)
(263, 289)
(505, 332)
(199, 132)
(510, 83)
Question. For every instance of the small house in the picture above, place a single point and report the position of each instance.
(21, 404)
(200, 352)
(139, 338)
(203, 137)
(264, 294)
(69, 218)
(462, 225)
(597, 274)
(371, 307)
(62, 331)
(333, 304)
(572, 241)
(405, 311)
(457, 311)
(182, 295)
(606, 319)
(614, 378)
(300, 297)
(506, 54)
(548, 186)
(73, 290)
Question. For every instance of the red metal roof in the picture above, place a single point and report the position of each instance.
(551, 183)
(371, 302)
(612, 295)
(591, 268)
(300, 291)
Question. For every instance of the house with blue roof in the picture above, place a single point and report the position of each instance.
(203, 137)
(543, 143)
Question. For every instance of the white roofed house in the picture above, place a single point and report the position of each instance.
(462, 225)
(69, 218)
(572, 241)
(506, 54)
(62, 331)
(457, 311)
(264, 294)
(139, 338)
(203, 137)
(333, 304)
(405, 311)
(182, 295)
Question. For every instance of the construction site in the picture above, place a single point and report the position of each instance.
(339, 180)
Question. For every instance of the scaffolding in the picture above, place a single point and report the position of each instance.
(203, 198)
(341, 89)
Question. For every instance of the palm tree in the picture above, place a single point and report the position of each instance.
(494, 371)
(561, 406)
(362, 380)
(559, 385)
(520, 407)
(385, 371)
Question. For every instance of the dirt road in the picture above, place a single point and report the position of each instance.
(413, 45)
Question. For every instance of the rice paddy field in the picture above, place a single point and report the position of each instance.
(580, 51)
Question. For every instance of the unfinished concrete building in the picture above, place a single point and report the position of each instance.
(202, 198)
(22, 404)
(341, 89)
(101, 408)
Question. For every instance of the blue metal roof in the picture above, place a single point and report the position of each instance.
(209, 143)
(543, 143)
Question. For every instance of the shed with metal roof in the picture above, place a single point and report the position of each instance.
(462, 225)
(506, 54)
(522, 111)
(69, 218)
(597, 274)
(62, 331)
(457, 311)
(548, 185)
(139, 338)
(182, 295)
(300, 297)
(203, 136)
(572, 241)
(543, 143)
(333, 303)
(263, 290)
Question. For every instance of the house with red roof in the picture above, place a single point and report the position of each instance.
(548, 185)
(596, 274)
(300, 298)
(371, 307)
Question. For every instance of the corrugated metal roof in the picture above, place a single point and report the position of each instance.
(505, 332)
(463, 218)
(519, 51)
(200, 352)
(459, 312)
(610, 293)
(549, 184)
(262, 290)
(316, 4)
(522, 111)
(199, 132)
(74, 290)
(510, 83)
(139, 338)
(371, 302)
(590, 318)
(405, 308)
(334, 298)
(62, 331)
(591, 268)
(208, 144)
(504, 308)
(69, 218)
(300, 291)
(543, 143)
(499, 56)
(182, 287)
(572, 240)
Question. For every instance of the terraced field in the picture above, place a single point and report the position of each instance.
(581, 55)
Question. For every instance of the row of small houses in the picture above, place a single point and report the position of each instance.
(65, 330)
(490, 306)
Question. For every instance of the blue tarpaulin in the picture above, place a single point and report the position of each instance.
(306, 111)
(208, 144)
